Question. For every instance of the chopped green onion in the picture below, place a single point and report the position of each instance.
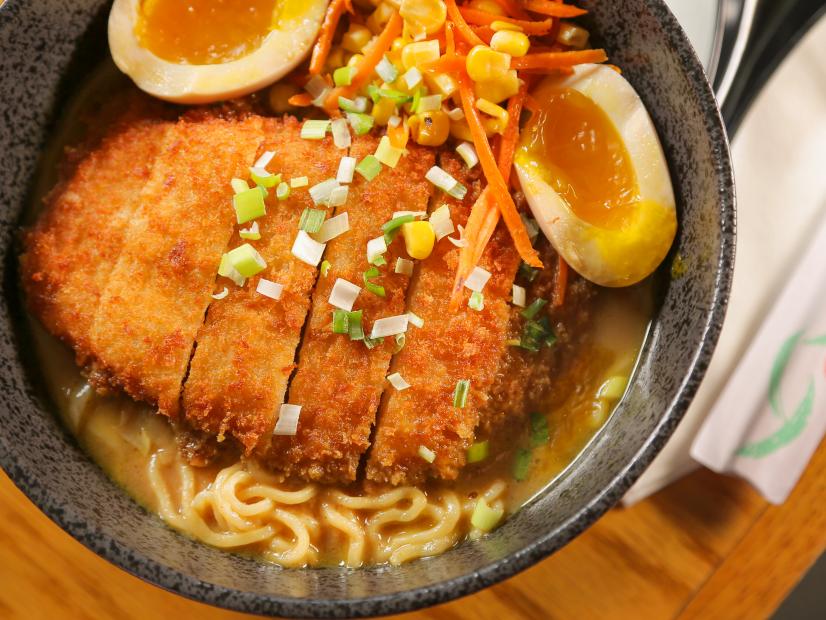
(396, 96)
(477, 279)
(446, 183)
(270, 289)
(394, 121)
(341, 321)
(369, 167)
(404, 266)
(307, 249)
(227, 270)
(311, 220)
(316, 85)
(372, 343)
(222, 294)
(296, 182)
(265, 159)
(429, 103)
(398, 382)
(376, 289)
(346, 168)
(321, 192)
(282, 192)
(252, 233)
(379, 261)
(527, 273)
(315, 129)
(248, 205)
(239, 185)
(390, 229)
(535, 334)
(456, 114)
(264, 178)
(531, 226)
(427, 454)
(357, 105)
(344, 294)
(375, 247)
(415, 320)
(401, 339)
(414, 104)
(343, 76)
(539, 429)
(341, 134)
(460, 393)
(389, 326)
(339, 196)
(386, 70)
(485, 518)
(476, 301)
(441, 222)
(521, 464)
(361, 123)
(613, 388)
(388, 154)
(518, 295)
(325, 268)
(246, 260)
(478, 451)
(468, 153)
(412, 78)
(532, 310)
(333, 228)
(354, 325)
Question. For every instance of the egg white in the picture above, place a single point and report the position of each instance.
(620, 256)
(280, 52)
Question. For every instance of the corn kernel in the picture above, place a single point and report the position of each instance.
(423, 16)
(485, 64)
(419, 53)
(572, 35)
(335, 59)
(378, 19)
(442, 83)
(419, 238)
(356, 38)
(280, 92)
(397, 45)
(491, 109)
(509, 42)
(460, 130)
(499, 89)
(498, 25)
(383, 109)
(494, 125)
(430, 128)
(488, 6)
(354, 60)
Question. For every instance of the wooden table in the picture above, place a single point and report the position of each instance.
(706, 547)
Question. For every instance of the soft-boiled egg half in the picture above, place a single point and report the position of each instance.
(197, 51)
(594, 174)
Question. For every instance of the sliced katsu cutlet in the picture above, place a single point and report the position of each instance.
(465, 345)
(339, 381)
(159, 290)
(246, 348)
(71, 250)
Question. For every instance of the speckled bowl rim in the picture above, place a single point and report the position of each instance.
(177, 582)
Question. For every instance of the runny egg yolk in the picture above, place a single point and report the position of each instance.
(204, 32)
(582, 156)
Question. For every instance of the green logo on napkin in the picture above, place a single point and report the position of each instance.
(794, 424)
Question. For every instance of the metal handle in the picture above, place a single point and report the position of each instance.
(778, 26)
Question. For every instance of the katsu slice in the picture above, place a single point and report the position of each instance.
(159, 290)
(339, 381)
(246, 349)
(75, 243)
(465, 345)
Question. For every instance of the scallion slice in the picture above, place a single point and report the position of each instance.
(361, 123)
(369, 167)
(307, 249)
(379, 261)
(372, 343)
(287, 423)
(265, 159)
(412, 78)
(344, 294)
(478, 451)
(429, 104)
(374, 288)
(446, 183)
(527, 273)
(341, 321)
(519, 296)
(297, 182)
(386, 70)
(539, 429)
(521, 464)
(282, 192)
(239, 185)
(253, 233)
(460, 393)
(485, 518)
(333, 228)
(389, 326)
(246, 260)
(227, 270)
(468, 153)
(325, 268)
(341, 133)
(476, 301)
(456, 114)
(311, 220)
(477, 279)
(532, 310)
(427, 454)
(354, 325)
(390, 228)
(343, 76)
(222, 294)
(531, 226)
(535, 334)
(400, 340)
(388, 154)
(339, 196)
(375, 247)
(346, 168)
(398, 382)
(441, 222)
(415, 320)
(357, 105)
(315, 129)
(264, 178)
(270, 289)
(248, 205)
(320, 192)
(404, 266)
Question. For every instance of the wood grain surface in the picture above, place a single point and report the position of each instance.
(706, 547)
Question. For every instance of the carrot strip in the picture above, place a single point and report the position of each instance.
(484, 32)
(398, 135)
(465, 31)
(512, 8)
(446, 62)
(499, 187)
(364, 69)
(553, 9)
(450, 39)
(321, 49)
(301, 100)
(557, 60)
(560, 282)
(483, 18)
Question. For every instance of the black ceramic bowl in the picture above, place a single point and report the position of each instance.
(46, 46)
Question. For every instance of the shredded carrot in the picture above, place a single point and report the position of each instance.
(450, 39)
(513, 8)
(301, 100)
(325, 35)
(446, 62)
(560, 282)
(484, 32)
(465, 31)
(548, 61)
(364, 69)
(553, 9)
(501, 194)
(398, 135)
(483, 18)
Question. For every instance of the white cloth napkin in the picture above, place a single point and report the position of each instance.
(780, 166)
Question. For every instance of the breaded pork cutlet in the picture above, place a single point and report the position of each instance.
(339, 381)
(159, 290)
(246, 349)
(76, 242)
(450, 347)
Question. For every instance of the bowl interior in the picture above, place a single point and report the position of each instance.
(45, 47)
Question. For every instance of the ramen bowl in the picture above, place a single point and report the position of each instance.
(47, 47)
